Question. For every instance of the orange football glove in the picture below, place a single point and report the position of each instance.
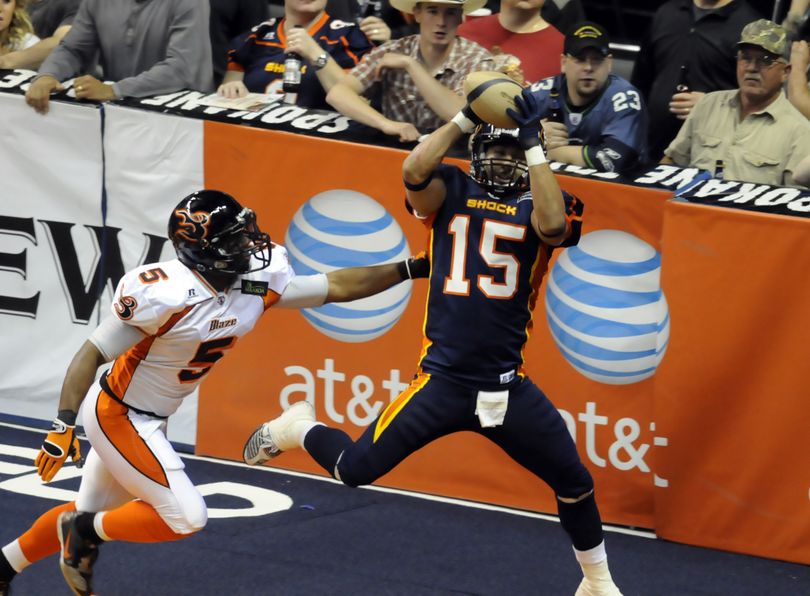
(60, 442)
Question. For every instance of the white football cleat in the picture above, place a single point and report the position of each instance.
(597, 581)
(279, 434)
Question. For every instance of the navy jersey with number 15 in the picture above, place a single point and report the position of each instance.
(487, 263)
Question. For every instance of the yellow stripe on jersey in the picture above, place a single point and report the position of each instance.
(396, 406)
(539, 269)
(426, 342)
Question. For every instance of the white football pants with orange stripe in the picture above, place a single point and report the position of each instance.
(132, 458)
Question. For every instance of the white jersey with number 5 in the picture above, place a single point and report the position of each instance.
(188, 324)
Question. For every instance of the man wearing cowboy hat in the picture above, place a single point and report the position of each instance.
(754, 130)
(421, 75)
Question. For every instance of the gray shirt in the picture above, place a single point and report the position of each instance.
(48, 15)
(148, 47)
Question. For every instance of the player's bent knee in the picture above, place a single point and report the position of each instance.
(185, 519)
(353, 476)
(576, 484)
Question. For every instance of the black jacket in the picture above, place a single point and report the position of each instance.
(706, 47)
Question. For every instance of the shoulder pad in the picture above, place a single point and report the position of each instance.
(148, 295)
(278, 274)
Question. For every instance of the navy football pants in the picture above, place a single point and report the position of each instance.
(533, 434)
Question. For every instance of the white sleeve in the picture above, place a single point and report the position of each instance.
(305, 291)
(113, 337)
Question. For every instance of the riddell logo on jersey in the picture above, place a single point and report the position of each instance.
(217, 324)
(491, 206)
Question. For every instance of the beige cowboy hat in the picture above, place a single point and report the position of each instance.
(468, 6)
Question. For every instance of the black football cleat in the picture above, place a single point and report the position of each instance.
(77, 556)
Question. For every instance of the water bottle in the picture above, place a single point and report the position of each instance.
(718, 169)
(291, 82)
(368, 8)
(682, 86)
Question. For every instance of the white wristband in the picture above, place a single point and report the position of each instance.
(535, 156)
(465, 124)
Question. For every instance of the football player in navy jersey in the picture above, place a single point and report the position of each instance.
(492, 232)
(327, 45)
(593, 118)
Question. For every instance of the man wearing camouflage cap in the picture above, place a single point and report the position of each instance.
(759, 136)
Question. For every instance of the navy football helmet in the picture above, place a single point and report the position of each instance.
(211, 231)
(504, 171)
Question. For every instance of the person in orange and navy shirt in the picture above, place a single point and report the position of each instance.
(326, 45)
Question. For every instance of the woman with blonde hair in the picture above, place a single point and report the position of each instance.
(16, 30)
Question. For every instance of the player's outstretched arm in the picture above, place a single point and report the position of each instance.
(548, 217)
(352, 283)
(359, 282)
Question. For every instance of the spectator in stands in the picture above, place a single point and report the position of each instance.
(759, 136)
(518, 29)
(230, 18)
(593, 117)
(16, 30)
(797, 86)
(256, 58)
(376, 18)
(691, 43)
(147, 48)
(797, 20)
(51, 20)
(563, 14)
(421, 75)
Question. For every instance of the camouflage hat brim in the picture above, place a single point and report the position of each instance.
(765, 34)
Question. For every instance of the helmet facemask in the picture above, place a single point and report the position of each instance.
(231, 250)
(498, 162)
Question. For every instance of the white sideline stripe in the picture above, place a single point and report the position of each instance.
(14, 469)
(394, 491)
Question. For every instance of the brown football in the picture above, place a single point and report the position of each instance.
(489, 94)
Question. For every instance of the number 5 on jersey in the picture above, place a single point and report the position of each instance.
(207, 354)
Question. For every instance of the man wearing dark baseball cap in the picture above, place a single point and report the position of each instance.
(587, 35)
(593, 118)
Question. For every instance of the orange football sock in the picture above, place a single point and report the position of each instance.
(41, 538)
(137, 521)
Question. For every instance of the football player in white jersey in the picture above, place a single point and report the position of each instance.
(170, 323)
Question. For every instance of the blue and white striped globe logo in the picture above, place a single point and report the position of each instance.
(605, 307)
(345, 228)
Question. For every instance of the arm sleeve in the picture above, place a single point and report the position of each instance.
(355, 45)
(364, 71)
(624, 135)
(188, 63)
(113, 337)
(77, 48)
(305, 291)
(573, 215)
